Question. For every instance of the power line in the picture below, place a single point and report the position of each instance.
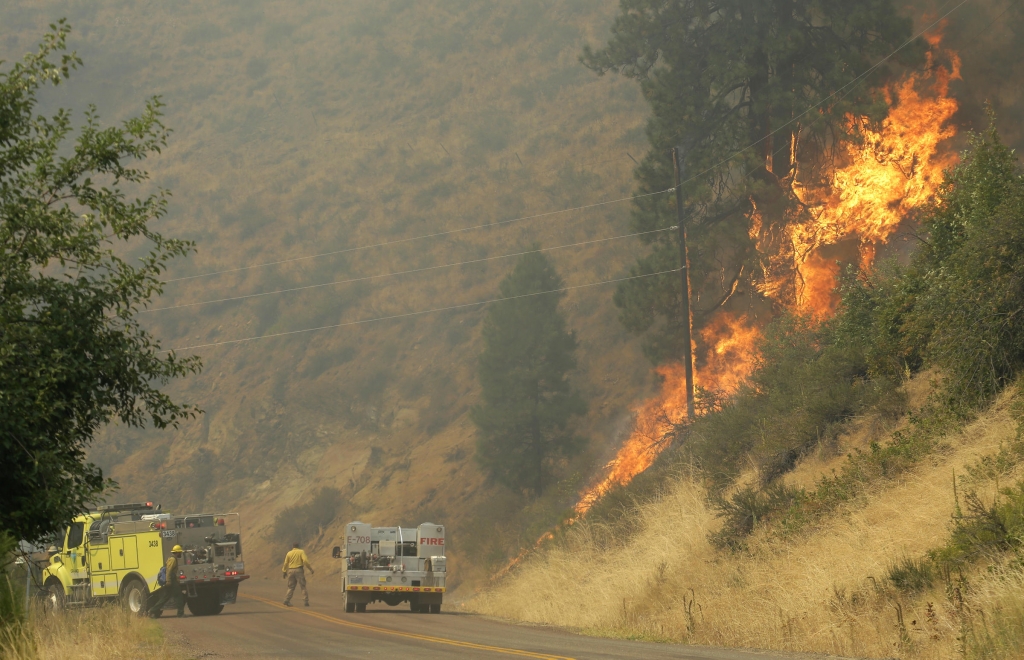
(796, 118)
(427, 268)
(420, 270)
(417, 238)
(404, 272)
(419, 313)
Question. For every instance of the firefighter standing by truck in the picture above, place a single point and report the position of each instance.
(294, 562)
(172, 588)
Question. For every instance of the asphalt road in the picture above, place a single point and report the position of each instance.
(259, 626)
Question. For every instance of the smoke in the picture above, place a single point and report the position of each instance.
(989, 37)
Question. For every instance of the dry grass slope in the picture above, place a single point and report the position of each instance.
(102, 633)
(823, 591)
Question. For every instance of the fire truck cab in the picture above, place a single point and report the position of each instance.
(116, 552)
(394, 565)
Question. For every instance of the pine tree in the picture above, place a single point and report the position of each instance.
(527, 401)
(731, 82)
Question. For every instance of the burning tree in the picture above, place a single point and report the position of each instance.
(759, 95)
(802, 144)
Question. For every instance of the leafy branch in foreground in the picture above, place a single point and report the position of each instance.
(72, 354)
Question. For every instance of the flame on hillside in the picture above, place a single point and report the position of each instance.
(730, 359)
(894, 169)
(897, 167)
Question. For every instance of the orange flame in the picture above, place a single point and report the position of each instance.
(896, 169)
(729, 360)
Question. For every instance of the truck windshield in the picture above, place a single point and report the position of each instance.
(76, 532)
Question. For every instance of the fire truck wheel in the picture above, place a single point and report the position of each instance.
(53, 598)
(205, 605)
(435, 609)
(360, 607)
(134, 597)
(350, 607)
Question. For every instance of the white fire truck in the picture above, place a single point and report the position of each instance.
(394, 565)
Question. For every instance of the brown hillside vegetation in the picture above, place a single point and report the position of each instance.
(824, 590)
(302, 128)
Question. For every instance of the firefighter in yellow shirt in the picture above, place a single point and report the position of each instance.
(172, 588)
(294, 563)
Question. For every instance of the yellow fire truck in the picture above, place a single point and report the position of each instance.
(117, 551)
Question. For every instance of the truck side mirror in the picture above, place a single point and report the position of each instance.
(336, 552)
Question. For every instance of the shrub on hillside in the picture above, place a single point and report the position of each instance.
(972, 271)
(749, 506)
(959, 305)
(305, 521)
(806, 381)
(910, 575)
(983, 530)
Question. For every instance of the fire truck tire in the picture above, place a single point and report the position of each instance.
(205, 605)
(350, 607)
(53, 598)
(435, 609)
(134, 597)
(360, 607)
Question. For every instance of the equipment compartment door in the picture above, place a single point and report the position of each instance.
(117, 554)
(127, 551)
(104, 584)
(99, 559)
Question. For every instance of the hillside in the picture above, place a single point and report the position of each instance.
(316, 127)
(327, 127)
(829, 588)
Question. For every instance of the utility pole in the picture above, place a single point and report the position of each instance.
(684, 260)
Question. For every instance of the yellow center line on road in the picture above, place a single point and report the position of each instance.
(398, 633)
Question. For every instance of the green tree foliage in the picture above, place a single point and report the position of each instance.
(72, 354)
(528, 401)
(721, 77)
(804, 385)
(12, 609)
(972, 269)
(959, 305)
(874, 315)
